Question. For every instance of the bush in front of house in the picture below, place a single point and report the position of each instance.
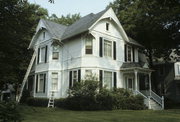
(86, 95)
(38, 102)
(9, 112)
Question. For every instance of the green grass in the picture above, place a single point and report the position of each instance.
(37, 114)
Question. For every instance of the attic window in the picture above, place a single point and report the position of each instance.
(44, 35)
(107, 26)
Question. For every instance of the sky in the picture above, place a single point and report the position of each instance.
(64, 7)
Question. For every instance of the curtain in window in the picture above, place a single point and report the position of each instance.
(108, 79)
(88, 46)
(107, 48)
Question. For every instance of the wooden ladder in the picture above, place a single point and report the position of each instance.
(51, 100)
(26, 76)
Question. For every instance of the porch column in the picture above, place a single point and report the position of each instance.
(150, 83)
(135, 72)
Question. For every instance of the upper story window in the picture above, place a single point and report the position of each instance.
(54, 83)
(89, 46)
(42, 54)
(107, 48)
(55, 53)
(107, 26)
(129, 53)
(44, 35)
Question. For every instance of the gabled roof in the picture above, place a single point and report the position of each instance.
(55, 29)
(82, 25)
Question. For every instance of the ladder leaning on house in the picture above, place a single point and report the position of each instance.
(26, 76)
(51, 100)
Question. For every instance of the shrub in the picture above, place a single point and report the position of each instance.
(9, 112)
(25, 96)
(38, 102)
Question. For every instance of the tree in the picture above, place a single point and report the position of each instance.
(17, 22)
(65, 20)
(155, 24)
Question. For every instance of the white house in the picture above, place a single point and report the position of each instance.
(95, 44)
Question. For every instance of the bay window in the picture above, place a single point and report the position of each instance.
(108, 79)
(54, 83)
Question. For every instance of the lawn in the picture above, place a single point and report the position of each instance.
(37, 114)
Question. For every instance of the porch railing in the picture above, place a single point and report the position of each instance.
(157, 98)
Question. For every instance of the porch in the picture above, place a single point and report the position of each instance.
(138, 80)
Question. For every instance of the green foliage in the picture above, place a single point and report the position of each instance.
(38, 102)
(17, 22)
(9, 112)
(65, 20)
(86, 95)
(154, 23)
(25, 96)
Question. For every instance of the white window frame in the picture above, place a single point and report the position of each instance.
(39, 90)
(88, 73)
(41, 53)
(55, 51)
(73, 78)
(104, 41)
(52, 78)
(107, 26)
(105, 77)
(87, 45)
(131, 53)
(178, 69)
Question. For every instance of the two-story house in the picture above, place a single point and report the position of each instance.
(95, 44)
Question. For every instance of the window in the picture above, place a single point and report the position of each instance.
(42, 55)
(55, 54)
(54, 83)
(129, 53)
(108, 79)
(178, 69)
(89, 46)
(88, 74)
(107, 48)
(107, 26)
(41, 83)
(44, 35)
(75, 77)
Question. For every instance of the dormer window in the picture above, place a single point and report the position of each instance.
(44, 35)
(107, 26)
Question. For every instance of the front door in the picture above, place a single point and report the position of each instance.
(129, 83)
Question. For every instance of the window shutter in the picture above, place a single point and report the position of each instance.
(38, 55)
(46, 54)
(114, 50)
(115, 80)
(125, 53)
(36, 83)
(133, 54)
(70, 79)
(44, 89)
(79, 75)
(100, 78)
(100, 46)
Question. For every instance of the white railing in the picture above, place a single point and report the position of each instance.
(138, 92)
(157, 98)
